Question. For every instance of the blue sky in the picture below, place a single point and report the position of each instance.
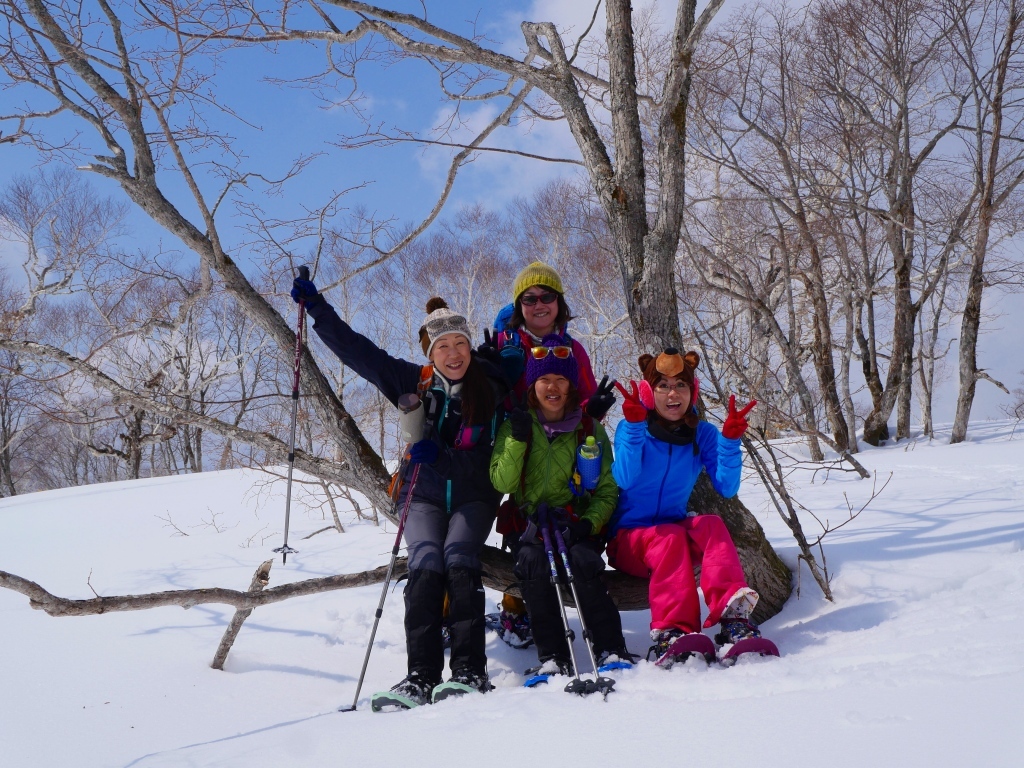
(401, 181)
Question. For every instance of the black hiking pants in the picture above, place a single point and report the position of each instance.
(602, 617)
(444, 558)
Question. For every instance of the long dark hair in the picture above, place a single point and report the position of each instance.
(561, 319)
(478, 400)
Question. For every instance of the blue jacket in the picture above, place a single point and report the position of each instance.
(655, 478)
(461, 473)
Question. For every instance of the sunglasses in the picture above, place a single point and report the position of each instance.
(529, 299)
(539, 353)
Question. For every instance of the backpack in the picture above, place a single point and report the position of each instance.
(395, 486)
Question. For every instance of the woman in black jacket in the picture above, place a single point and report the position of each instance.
(453, 502)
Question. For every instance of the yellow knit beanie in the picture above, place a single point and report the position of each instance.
(537, 273)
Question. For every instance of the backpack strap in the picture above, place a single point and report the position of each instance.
(426, 379)
(588, 429)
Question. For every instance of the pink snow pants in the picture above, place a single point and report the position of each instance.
(667, 554)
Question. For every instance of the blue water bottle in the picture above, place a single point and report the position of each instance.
(588, 463)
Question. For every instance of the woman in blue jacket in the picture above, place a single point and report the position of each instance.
(453, 503)
(660, 449)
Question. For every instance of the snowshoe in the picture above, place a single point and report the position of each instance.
(758, 645)
(673, 647)
(609, 662)
(512, 628)
(413, 691)
(739, 636)
(546, 670)
(461, 682)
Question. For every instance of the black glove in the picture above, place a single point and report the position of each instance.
(522, 424)
(602, 400)
(304, 290)
(489, 350)
(576, 531)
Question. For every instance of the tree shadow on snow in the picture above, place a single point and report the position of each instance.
(234, 737)
(918, 534)
(853, 618)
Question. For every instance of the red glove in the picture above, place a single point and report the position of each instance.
(736, 422)
(637, 402)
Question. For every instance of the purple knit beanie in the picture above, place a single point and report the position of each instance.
(551, 363)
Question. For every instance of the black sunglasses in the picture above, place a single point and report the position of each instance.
(529, 299)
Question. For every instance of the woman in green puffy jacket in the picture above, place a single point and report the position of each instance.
(534, 459)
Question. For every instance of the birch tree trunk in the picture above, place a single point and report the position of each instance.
(989, 171)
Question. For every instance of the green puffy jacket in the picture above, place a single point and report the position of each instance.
(548, 470)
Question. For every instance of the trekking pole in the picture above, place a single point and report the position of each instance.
(284, 549)
(578, 686)
(384, 591)
(412, 424)
(604, 684)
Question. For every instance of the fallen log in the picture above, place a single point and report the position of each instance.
(628, 592)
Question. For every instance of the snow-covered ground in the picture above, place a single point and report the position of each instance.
(917, 663)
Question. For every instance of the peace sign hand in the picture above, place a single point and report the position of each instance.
(489, 350)
(602, 400)
(736, 421)
(637, 401)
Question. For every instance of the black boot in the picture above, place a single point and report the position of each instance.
(466, 622)
(602, 617)
(424, 606)
(545, 619)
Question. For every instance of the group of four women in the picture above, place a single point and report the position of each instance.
(509, 418)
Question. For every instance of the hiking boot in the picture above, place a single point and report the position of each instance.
(620, 659)
(663, 639)
(674, 646)
(551, 667)
(734, 630)
(462, 681)
(515, 629)
(414, 691)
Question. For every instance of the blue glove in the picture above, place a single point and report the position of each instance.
(513, 363)
(304, 290)
(424, 452)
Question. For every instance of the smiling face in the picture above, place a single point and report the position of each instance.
(552, 393)
(451, 355)
(540, 318)
(671, 398)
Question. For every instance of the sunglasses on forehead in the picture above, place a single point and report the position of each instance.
(529, 299)
(539, 353)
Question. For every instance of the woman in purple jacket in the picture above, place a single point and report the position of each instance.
(660, 449)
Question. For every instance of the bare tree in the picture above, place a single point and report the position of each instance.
(989, 45)
(135, 79)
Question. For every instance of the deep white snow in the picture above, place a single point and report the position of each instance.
(917, 663)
